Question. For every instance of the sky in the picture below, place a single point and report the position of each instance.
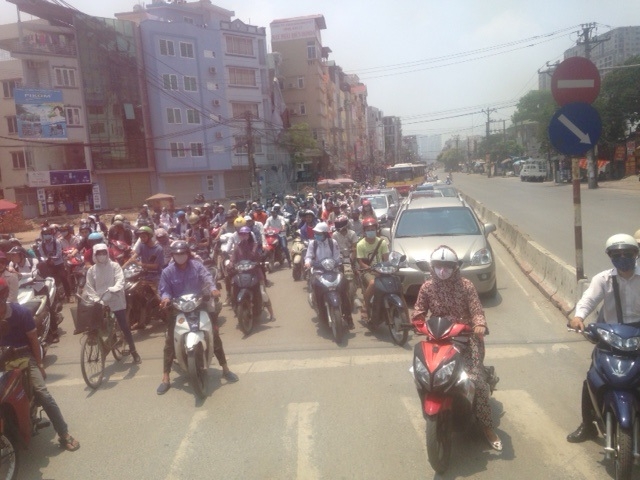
(431, 62)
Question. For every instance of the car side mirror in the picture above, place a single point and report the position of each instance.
(488, 228)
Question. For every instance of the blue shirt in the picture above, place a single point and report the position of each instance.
(175, 281)
(155, 255)
(21, 321)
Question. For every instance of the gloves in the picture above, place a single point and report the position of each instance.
(113, 289)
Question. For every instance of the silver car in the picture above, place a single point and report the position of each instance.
(423, 224)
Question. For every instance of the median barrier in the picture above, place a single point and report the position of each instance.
(553, 277)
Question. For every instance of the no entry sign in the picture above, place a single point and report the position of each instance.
(575, 80)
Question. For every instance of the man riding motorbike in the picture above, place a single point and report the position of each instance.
(278, 222)
(52, 260)
(306, 228)
(370, 250)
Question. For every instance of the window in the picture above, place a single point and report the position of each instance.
(311, 50)
(8, 86)
(193, 116)
(169, 82)
(190, 84)
(210, 183)
(239, 110)
(18, 160)
(197, 150)
(300, 82)
(186, 50)
(65, 77)
(97, 128)
(73, 116)
(177, 149)
(245, 77)
(95, 109)
(174, 115)
(242, 146)
(29, 159)
(239, 45)
(303, 109)
(12, 124)
(167, 48)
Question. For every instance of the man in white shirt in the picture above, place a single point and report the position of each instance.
(623, 252)
(277, 221)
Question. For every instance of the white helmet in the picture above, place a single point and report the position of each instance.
(444, 254)
(321, 227)
(276, 206)
(621, 241)
(637, 236)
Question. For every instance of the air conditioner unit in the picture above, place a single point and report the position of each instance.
(219, 135)
(216, 103)
(212, 70)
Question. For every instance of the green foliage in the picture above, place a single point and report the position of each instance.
(451, 158)
(536, 106)
(498, 148)
(297, 140)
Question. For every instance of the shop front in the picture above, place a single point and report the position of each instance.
(58, 192)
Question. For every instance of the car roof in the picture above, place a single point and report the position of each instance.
(434, 202)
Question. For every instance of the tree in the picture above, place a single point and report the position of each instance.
(297, 140)
(451, 158)
(536, 106)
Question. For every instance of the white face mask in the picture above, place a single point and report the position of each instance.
(443, 273)
(102, 258)
(181, 258)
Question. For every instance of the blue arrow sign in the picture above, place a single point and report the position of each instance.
(575, 128)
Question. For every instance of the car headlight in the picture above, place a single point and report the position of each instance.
(420, 371)
(616, 341)
(443, 375)
(482, 257)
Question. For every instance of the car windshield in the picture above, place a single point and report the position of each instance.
(444, 221)
(378, 201)
(448, 191)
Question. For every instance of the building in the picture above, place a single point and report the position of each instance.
(429, 147)
(392, 139)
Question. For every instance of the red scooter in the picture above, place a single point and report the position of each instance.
(75, 269)
(446, 392)
(273, 248)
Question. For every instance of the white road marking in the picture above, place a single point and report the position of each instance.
(300, 431)
(412, 404)
(175, 472)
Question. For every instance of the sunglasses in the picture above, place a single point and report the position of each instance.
(623, 254)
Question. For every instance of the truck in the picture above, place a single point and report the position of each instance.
(533, 170)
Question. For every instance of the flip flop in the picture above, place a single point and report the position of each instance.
(69, 443)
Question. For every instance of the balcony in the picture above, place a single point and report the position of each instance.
(20, 49)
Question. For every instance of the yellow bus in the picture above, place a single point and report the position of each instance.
(405, 177)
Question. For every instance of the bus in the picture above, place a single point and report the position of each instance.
(405, 177)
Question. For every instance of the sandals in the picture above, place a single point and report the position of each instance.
(69, 443)
(495, 444)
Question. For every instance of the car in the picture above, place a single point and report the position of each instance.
(423, 224)
(533, 171)
(384, 204)
(433, 193)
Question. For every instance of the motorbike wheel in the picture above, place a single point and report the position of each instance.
(9, 457)
(245, 317)
(297, 272)
(623, 444)
(197, 372)
(395, 319)
(335, 320)
(119, 348)
(92, 361)
(272, 262)
(439, 441)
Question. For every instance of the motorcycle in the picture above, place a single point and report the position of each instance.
(328, 279)
(199, 198)
(142, 301)
(298, 252)
(613, 381)
(273, 248)
(120, 251)
(193, 339)
(290, 220)
(76, 271)
(247, 296)
(20, 415)
(387, 302)
(34, 294)
(446, 393)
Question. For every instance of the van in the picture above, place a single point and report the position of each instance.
(533, 171)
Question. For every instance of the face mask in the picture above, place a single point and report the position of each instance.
(318, 237)
(102, 257)
(47, 238)
(244, 237)
(370, 234)
(181, 259)
(443, 273)
(624, 264)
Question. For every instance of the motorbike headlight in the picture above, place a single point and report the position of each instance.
(420, 371)
(443, 375)
(385, 268)
(328, 264)
(616, 341)
(482, 257)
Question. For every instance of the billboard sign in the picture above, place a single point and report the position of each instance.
(54, 178)
(294, 30)
(40, 114)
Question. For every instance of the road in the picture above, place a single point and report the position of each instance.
(545, 212)
(305, 408)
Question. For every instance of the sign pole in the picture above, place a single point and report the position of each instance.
(577, 214)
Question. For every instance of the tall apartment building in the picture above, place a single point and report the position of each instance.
(392, 139)
(375, 129)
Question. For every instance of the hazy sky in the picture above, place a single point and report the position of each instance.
(426, 60)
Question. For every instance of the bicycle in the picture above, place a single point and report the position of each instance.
(102, 334)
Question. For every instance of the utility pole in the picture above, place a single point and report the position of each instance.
(488, 111)
(253, 182)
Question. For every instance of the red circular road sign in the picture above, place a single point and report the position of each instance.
(576, 79)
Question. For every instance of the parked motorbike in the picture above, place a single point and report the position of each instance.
(193, 340)
(143, 303)
(327, 278)
(387, 302)
(298, 252)
(447, 394)
(247, 297)
(613, 382)
(273, 248)
(20, 415)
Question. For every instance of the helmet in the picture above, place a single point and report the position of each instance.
(46, 231)
(310, 212)
(18, 250)
(179, 246)
(444, 254)
(118, 218)
(193, 219)
(92, 218)
(321, 227)
(14, 242)
(197, 211)
(637, 236)
(239, 222)
(118, 223)
(5, 246)
(95, 238)
(621, 241)
(245, 229)
(161, 232)
(276, 206)
(369, 222)
(248, 218)
(206, 205)
(366, 203)
(341, 222)
(180, 213)
(145, 229)
(84, 226)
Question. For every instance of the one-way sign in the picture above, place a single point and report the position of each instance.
(575, 128)
(576, 79)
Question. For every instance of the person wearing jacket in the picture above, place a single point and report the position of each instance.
(105, 282)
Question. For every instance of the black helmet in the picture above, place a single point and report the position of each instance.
(18, 250)
(5, 245)
(47, 231)
(179, 246)
(341, 222)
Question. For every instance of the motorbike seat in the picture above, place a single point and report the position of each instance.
(32, 306)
